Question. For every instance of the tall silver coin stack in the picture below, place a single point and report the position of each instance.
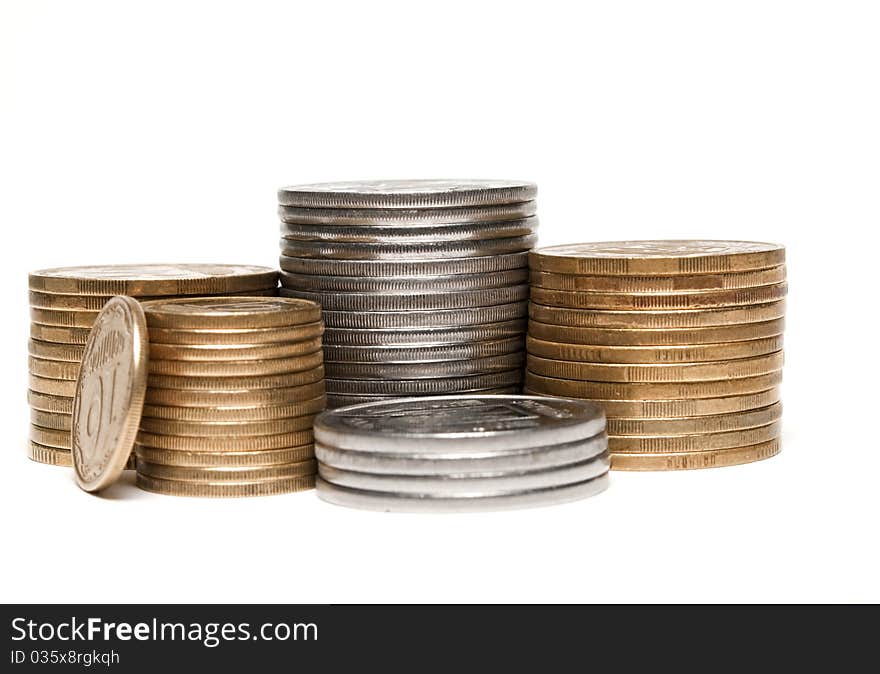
(461, 453)
(423, 283)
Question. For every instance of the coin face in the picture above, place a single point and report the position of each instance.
(109, 394)
(227, 312)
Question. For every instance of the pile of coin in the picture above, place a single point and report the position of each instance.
(461, 453)
(65, 303)
(423, 283)
(233, 387)
(679, 341)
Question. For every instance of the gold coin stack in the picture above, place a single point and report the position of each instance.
(679, 341)
(233, 387)
(65, 302)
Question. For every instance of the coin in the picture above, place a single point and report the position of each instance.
(718, 458)
(675, 372)
(418, 268)
(417, 301)
(412, 387)
(50, 403)
(266, 457)
(658, 284)
(224, 339)
(94, 303)
(406, 284)
(247, 411)
(50, 437)
(64, 317)
(237, 353)
(53, 369)
(407, 194)
(405, 217)
(335, 400)
(59, 422)
(435, 318)
(66, 336)
(425, 337)
(231, 443)
(645, 258)
(209, 429)
(628, 320)
(225, 489)
(236, 369)
(68, 352)
(654, 302)
(396, 234)
(225, 473)
(401, 251)
(670, 444)
(153, 279)
(656, 337)
(428, 353)
(393, 502)
(55, 387)
(190, 383)
(650, 391)
(52, 456)
(109, 394)
(226, 313)
(697, 353)
(714, 423)
(273, 396)
(424, 370)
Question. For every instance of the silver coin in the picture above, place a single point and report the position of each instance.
(334, 301)
(458, 461)
(405, 217)
(412, 387)
(403, 284)
(410, 235)
(474, 484)
(390, 502)
(425, 336)
(407, 193)
(335, 400)
(435, 318)
(426, 354)
(424, 370)
(404, 252)
(418, 268)
(463, 423)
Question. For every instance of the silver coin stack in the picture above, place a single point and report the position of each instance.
(423, 283)
(461, 453)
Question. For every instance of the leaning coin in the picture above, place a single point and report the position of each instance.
(424, 370)
(191, 443)
(405, 217)
(51, 420)
(59, 335)
(212, 353)
(50, 437)
(718, 458)
(71, 353)
(424, 353)
(210, 429)
(404, 284)
(671, 444)
(53, 369)
(229, 338)
(50, 403)
(425, 336)
(247, 411)
(225, 489)
(266, 457)
(654, 302)
(64, 317)
(403, 252)
(225, 473)
(228, 313)
(714, 423)
(412, 301)
(438, 318)
(418, 268)
(52, 456)
(437, 386)
(242, 368)
(247, 383)
(409, 235)
(658, 284)
(55, 387)
(276, 396)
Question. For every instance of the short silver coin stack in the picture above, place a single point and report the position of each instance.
(423, 283)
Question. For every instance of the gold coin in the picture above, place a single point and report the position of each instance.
(700, 442)
(53, 369)
(65, 336)
(593, 390)
(226, 474)
(696, 407)
(50, 437)
(243, 352)
(229, 489)
(691, 318)
(285, 380)
(52, 456)
(255, 443)
(657, 284)
(249, 337)
(654, 302)
(651, 258)
(95, 303)
(713, 423)
(266, 457)
(277, 396)
(237, 412)
(718, 458)
(676, 372)
(55, 387)
(52, 420)
(236, 429)
(50, 403)
(227, 369)
(153, 279)
(64, 318)
(218, 312)
(71, 353)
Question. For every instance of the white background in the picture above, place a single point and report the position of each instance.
(161, 134)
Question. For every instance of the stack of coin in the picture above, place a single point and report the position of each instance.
(423, 283)
(461, 453)
(65, 303)
(233, 387)
(679, 341)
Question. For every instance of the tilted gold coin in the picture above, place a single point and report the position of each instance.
(109, 394)
(227, 474)
(713, 423)
(672, 444)
(225, 489)
(242, 368)
(71, 353)
(655, 337)
(52, 456)
(226, 313)
(285, 380)
(240, 352)
(53, 369)
(649, 258)
(63, 317)
(191, 443)
(278, 396)
(248, 411)
(210, 429)
(654, 302)
(718, 458)
(592, 390)
(674, 372)
(657, 284)
(55, 387)
(50, 403)
(628, 320)
(250, 337)
(51, 420)
(59, 335)
(266, 457)
(696, 353)
(50, 437)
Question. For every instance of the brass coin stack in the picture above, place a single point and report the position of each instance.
(232, 389)
(65, 302)
(679, 341)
